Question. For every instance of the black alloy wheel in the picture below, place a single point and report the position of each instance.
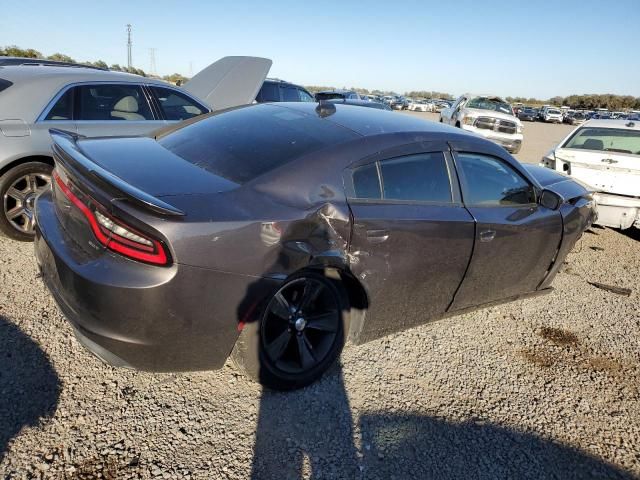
(298, 335)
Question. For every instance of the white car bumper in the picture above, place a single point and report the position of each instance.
(616, 211)
(512, 142)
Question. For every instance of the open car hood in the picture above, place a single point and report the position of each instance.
(229, 82)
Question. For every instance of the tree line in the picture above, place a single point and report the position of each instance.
(585, 101)
(15, 51)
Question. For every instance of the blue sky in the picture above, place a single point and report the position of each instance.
(521, 48)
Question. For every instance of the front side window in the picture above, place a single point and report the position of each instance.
(175, 105)
(491, 182)
(305, 96)
(270, 92)
(606, 139)
(290, 94)
(63, 109)
(112, 102)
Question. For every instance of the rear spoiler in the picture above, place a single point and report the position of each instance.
(67, 151)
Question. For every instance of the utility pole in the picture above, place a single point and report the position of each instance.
(152, 61)
(129, 62)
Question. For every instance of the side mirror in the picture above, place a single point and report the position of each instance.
(550, 200)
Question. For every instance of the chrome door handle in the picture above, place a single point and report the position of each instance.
(487, 235)
(377, 236)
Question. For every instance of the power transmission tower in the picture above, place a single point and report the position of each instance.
(152, 61)
(129, 61)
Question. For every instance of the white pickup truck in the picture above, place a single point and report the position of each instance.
(605, 154)
(488, 116)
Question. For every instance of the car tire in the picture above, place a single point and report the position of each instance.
(26, 181)
(269, 349)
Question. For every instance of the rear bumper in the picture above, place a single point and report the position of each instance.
(616, 211)
(179, 318)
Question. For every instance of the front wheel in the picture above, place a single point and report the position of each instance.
(300, 334)
(19, 188)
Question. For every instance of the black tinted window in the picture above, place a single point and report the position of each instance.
(421, 177)
(113, 102)
(366, 183)
(63, 108)
(243, 144)
(175, 105)
(270, 92)
(492, 182)
(290, 94)
(4, 84)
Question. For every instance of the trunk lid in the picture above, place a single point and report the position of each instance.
(229, 82)
(609, 172)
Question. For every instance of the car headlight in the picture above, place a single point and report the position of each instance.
(468, 120)
(519, 129)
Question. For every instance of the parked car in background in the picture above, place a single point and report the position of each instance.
(334, 232)
(420, 106)
(276, 90)
(528, 114)
(488, 116)
(93, 102)
(399, 103)
(552, 115)
(575, 118)
(331, 94)
(604, 154)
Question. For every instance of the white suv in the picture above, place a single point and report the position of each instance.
(552, 115)
(488, 116)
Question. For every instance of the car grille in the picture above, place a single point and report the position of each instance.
(497, 125)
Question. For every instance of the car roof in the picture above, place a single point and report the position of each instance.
(630, 124)
(42, 61)
(18, 73)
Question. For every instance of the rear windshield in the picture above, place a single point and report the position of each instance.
(606, 139)
(4, 84)
(243, 144)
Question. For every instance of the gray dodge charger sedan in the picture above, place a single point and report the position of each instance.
(277, 232)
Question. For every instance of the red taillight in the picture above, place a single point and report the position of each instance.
(114, 234)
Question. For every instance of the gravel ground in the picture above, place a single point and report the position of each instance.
(540, 388)
(538, 137)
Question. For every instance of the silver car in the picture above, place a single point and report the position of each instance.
(92, 103)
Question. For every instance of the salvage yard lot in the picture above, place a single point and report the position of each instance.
(542, 388)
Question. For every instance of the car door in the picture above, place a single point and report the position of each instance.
(516, 239)
(113, 109)
(411, 239)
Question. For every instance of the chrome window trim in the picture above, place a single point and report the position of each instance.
(42, 117)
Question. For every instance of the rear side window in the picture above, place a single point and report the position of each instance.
(63, 108)
(290, 94)
(243, 144)
(491, 182)
(421, 178)
(270, 92)
(176, 105)
(4, 84)
(112, 102)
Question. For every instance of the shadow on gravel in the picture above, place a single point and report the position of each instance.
(29, 386)
(306, 430)
(407, 446)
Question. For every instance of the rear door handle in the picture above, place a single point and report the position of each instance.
(487, 235)
(377, 236)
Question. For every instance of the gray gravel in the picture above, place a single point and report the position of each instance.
(542, 388)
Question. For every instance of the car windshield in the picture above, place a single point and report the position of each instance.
(484, 103)
(606, 139)
(553, 112)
